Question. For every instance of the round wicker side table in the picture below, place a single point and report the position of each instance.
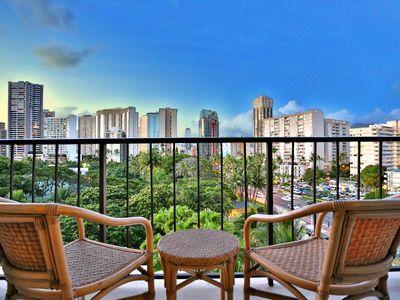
(198, 252)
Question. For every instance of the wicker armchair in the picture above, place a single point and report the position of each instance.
(354, 261)
(37, 265)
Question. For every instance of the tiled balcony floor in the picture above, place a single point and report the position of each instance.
(201, 290)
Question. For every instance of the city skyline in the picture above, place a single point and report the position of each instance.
(218, 64)
(291, 108)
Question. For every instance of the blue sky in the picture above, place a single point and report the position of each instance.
(340, 56)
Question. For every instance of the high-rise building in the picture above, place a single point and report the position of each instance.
(143, 122)
(148, 128)
(60, 128)
(208, 127)
(118, 123)
(87, 130)
(54, 128)
(72, 133)
(370, 150)
(336, 128)
(167, 122)
(307, 124)
(262, 110)
(25, 114)
(237, 149)
(188, 133)
(396, 145)
(153, 128)
(3, 136)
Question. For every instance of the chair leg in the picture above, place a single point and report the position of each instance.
(246, 288)
(11, 290)
(150, 272)
(171, 281)
(382, 287)
(230, 268)
(223, 277)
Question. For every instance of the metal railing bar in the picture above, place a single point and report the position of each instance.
(315, 180)
(78, 179)
(11, 183)
(292, 187)
(33, 173)
(358, 170)
(270, 196)
(246, 193)
(127, 190)
(337, 171)
(198, 185)
(102, 188)
(151, 185)
(380, 170)
(222, 185)
(56, 173)
(174, 181)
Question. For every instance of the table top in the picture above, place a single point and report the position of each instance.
(198, 247)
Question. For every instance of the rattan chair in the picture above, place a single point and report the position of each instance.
(37, 265)
(354, 261)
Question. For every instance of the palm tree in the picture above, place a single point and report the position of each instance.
(186, 167)
(256, 174)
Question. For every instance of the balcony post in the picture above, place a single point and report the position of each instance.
(102, 187)
(270, 196)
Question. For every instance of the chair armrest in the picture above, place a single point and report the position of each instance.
(318, 224)
(324, 208)
(81, 214)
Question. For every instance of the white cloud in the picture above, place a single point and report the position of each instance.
(343, 114)
(239, 125)
(290, 108)
(375, 116)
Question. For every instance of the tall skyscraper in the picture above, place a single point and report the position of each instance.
(3, 135)
(208, 127)
(167, 122)
(87, 130)
(25, 114)
(262, 110)
(118, 123)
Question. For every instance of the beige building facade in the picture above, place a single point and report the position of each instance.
(306, 124)
(370, 150)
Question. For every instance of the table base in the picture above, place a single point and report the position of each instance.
(227, 277)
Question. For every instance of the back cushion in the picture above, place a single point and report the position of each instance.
(370, 240)
(22, 247)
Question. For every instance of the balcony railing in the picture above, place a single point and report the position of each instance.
(267, 145)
